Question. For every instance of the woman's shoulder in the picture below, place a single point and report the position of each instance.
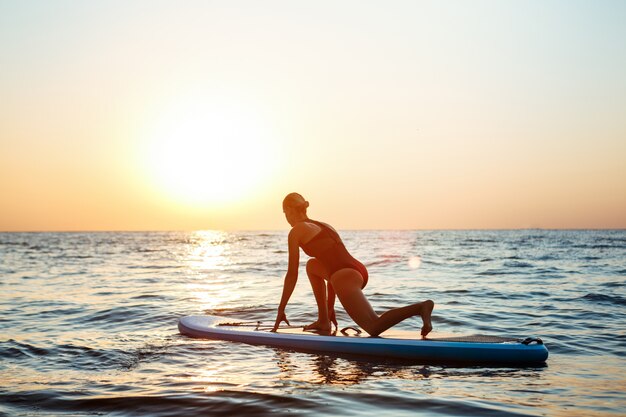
(304, 231)
(322, 224)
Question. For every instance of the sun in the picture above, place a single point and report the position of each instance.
(203, 153)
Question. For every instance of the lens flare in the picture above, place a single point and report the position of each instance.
(415, 262)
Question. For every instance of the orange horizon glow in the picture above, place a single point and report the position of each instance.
(424, 116)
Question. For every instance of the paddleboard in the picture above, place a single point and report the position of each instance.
(392, 344)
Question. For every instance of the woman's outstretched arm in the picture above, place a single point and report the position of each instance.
(290, 278)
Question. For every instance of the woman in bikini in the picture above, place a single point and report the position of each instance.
(332, 270)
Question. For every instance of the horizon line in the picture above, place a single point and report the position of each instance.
(495, 229)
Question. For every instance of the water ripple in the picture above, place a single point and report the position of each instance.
(88, 324)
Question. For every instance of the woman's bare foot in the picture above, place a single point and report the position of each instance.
(318, 327)
(427, 310)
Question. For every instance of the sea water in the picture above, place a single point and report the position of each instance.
(88, 324)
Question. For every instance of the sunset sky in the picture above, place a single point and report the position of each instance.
(155, 115)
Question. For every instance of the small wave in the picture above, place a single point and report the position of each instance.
(68, 257)
(80, 357)
(467, 244)
(602, 298)
(85, 357)
(390, 404)
(558, 346)
(499, 271)
(614, 284)
(518, 265)
(146, 353)
(147, 250)
(456, 291)
(14, 243)
(591, 258)
(128, 314)
(146, 296)
(381, 294)
(596, 246)
(451, 322)
(221, 402)
(17, 349)
(546, 257)
(540, 293)
(154, 266)
(58, 312)
(613, 239)
(480, 240)
(491, 272)
(387, 260)
(549, 269)
(244, 312)
(502, 296)
(550, 273)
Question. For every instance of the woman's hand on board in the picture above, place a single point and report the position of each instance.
(280, 317)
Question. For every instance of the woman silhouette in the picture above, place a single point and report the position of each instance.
(344, 275)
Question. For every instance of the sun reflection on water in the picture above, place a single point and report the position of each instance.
(209, 251)
(212, 380)
(206, 260)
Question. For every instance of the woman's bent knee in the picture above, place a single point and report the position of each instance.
(315, 268)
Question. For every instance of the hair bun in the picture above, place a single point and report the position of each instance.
(295, 200)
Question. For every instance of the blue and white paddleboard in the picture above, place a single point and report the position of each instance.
(392, 344)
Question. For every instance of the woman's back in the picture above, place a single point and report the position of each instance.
(328, 248)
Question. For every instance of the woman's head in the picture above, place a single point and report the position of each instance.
(294, 207)
(295, 201)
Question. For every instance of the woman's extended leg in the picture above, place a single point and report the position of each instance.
(316, 272)
(347, 284)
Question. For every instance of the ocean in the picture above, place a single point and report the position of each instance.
(88, 324)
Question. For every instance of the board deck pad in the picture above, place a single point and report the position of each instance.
(392, 333)
(477, 338)
(394, 343)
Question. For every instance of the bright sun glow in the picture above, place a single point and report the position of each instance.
(201, 153)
